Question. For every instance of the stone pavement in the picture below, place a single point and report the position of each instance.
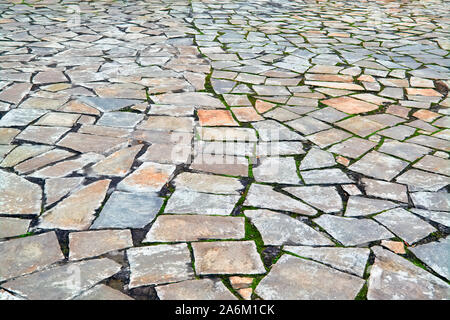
(224, 149)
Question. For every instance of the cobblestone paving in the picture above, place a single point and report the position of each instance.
(224, 149)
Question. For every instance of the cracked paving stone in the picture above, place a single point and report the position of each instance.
(202, 289)
(63, 282)
(176, 228)
(57, 188)
(149, 177)
(91, 143)
(326, 199)
(117, 164)
(385, 190)
(86, 201)
(405, 224)
(13, 199)
(128, 210)
(159, 264)
(361, 206)
(207, 183)
(280, 229)
(11, 227)
(438, 201)
(184, 201)
(325, 176)
(80, 243)
(263, 196)
(276, 170)
(227, 257)
(436, 255)
(395, 278)
(352, 231)
(26, 255)
(379, 166)
(294, 278)
(418, 180)
(102, 292)
(317, 158)
(351, 260)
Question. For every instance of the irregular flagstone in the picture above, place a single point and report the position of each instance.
(5, 295)
(418, 180)
(65, 168)
(15, 93)
(176, 228)
(91, 143)
(63, 282)
(7, 135)
(407, 151)
(436, 255)
(361, 206)
(298, 279)
(350, 105)
(57, 188)
(102, 292)
(328, 137)
(120, 119)
(436, 216)
(360, 126)
(325, 176)
(207, 183)
(227, 257)
(326, 199)
(128, 210)
(13, 199)
(159, 264)
(202, 289)
(317, 158)
(263, 196)
(25, 255)
(149, 177)
(21, 117)
(270, 130)
(80, 243)
(11, 227)
(221, 164)
(58, 119)
(405, 224)
(276, 170)
(379, 166)
(434, 164)
(395, 278)
(201, 99)
(184, 201)
(86, 201)
(351, 231)
(280, 229)
(118, 163)
(353, 147)
(40, 134)
(42, 160)
(108, 104)
(351, 260)
(163, 123)
(438, 201)
(226, 134)
(307, 125)
(385, 190)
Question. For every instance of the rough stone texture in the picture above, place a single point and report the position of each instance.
(203, 289)
(436, 255)
(293, 278)
(379, 166)
(207, 183)
(63, 282)
(351, 231)
(10, 227)
(231, 257)
(279, 229)
(86, 200)
(13, 199)
(175, 228)
(149, 177)
(102, 292)
(326, 199)
(361, 206)
(159, 264)
(395, 278)
(26, 255)
(80, 243)
(351, 260)
(117, 164)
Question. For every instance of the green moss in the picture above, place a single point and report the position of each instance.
(362, 295)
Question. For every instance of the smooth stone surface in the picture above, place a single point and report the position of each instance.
(317, 158)
(128, 210)
(436, 255)
(326, 199)
(117, 164)
(203, 289)
(379, 166)
(11, 227)
(207, 183)
(385, 190)
(361, 206)
(149, 177)
(325, 176)
(276, 170)
(102, 292)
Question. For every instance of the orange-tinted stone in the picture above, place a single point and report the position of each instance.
(216, 118)
(350, 105)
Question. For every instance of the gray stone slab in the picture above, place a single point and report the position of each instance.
(202, 289)
(362, 206)
(326, 199)
(436, 255)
